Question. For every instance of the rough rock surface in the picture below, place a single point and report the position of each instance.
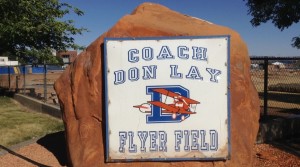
(80, 89)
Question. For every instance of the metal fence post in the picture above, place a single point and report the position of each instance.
(45, 82)
(17, 84)
(24, 81)
(266, 87)
(8, 68)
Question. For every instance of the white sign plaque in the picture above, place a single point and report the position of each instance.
(167, 98)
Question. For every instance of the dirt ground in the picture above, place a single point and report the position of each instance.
(34, 84)
(50, 151)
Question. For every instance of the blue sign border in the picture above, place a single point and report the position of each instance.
(107, 158)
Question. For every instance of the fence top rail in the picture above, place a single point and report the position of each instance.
(274, 58)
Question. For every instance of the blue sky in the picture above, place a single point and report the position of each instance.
(265, 40)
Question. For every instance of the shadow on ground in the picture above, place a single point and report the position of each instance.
(22, 157)
(282, 97)
(291, 146)
(6, 92)
(56, 144)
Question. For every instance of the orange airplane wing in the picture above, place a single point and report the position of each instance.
(168, 108)
(186, 112)
(172, 94)
(178, 112)
(164, 106)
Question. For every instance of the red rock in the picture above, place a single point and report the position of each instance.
(80, 89)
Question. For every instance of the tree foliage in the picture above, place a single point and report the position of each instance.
(282, 13)
(31, 27)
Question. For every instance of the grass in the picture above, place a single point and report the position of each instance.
(18, 124)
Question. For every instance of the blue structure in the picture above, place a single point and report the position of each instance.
(7, 70)
(21, 70)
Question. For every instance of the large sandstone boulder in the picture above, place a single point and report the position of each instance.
(80, 89)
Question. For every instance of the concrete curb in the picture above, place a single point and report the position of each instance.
(34, 105)
(16, 147)
(38, 106)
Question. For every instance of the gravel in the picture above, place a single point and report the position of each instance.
(268, 156)
(28, 156)
(265, 155)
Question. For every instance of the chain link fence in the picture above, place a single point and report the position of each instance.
(277, 81)
(36, 81)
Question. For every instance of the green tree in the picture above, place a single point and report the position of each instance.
(42, 56)
(282, 13)
(31, 29)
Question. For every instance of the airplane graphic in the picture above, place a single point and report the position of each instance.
(180, 104)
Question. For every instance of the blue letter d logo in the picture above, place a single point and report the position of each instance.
(157, 116)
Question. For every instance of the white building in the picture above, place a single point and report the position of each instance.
(5, 62)
(278, 64)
